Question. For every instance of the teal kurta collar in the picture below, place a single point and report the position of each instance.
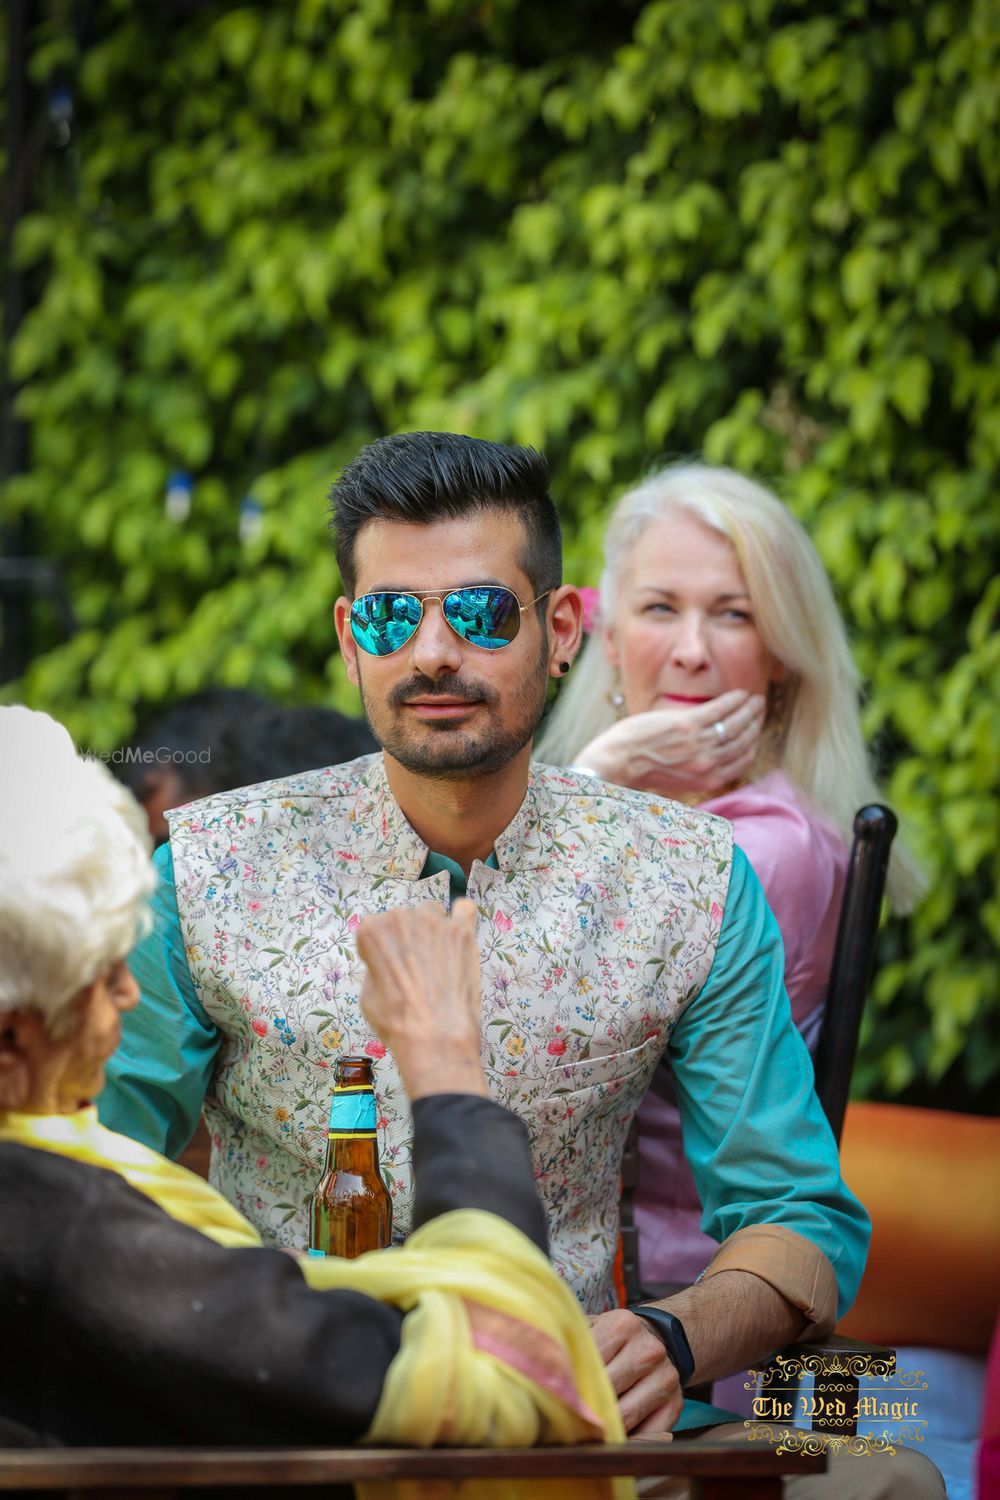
(436, 863)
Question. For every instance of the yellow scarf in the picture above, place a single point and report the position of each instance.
(180, 1193)
(495, 1350)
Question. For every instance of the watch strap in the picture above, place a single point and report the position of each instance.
(669, 1328)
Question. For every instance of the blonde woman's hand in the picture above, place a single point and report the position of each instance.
(677, 751)
(423, 995)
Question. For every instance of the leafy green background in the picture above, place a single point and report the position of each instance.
(618, 231)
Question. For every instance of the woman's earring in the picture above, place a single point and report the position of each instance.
(777, 708)
(616, 697)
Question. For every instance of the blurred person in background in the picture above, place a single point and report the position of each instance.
(720, 675)
(305, 737)
(189, 750)
(127, 1281)
(222, 738)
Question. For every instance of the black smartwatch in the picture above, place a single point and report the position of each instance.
(671, 1332)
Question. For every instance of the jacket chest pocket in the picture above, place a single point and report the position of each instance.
(607, 1074)
(588, 1104)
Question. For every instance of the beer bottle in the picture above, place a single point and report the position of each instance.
(351, 1210)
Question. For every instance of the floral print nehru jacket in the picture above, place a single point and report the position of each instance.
(597, 929)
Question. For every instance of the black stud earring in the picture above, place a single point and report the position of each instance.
(564, 666)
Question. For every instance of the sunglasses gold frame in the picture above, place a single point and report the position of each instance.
(426, 596)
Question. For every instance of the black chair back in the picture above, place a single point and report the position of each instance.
(628, 1230)
(853, 959)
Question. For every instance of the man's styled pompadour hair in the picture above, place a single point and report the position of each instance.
(420, 477)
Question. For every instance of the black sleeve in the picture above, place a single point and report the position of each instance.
(470, 1152)
(133, 1328)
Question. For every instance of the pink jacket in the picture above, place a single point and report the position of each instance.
(801, 861)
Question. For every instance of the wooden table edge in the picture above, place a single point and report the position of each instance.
(152, 1468)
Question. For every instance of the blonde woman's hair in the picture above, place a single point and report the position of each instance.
(75, 870)
(813, 729)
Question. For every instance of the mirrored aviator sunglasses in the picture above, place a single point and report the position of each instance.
(484, 615)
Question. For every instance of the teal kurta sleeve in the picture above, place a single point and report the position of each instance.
(755, 1134)
(158, 1077)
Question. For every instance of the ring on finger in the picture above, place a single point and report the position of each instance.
(720, 730)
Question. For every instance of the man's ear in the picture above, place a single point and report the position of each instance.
(348, 647)
(565, 621)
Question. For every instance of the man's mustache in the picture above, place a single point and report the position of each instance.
(440, 687)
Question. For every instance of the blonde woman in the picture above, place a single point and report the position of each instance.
(720, 675)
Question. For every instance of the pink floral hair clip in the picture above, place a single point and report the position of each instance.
(591, 609)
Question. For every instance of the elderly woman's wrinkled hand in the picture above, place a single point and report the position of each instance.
(677, 751)
(423, 995)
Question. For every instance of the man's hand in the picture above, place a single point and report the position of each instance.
(732, 1319)
(423, 996)
(644, 1377)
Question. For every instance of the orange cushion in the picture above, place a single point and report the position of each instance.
(618, 1274)
(931, 1182)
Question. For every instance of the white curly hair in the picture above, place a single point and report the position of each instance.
(75, 869)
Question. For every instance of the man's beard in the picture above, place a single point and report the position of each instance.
(451, 752)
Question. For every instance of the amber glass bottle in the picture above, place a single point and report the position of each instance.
(351, 1210)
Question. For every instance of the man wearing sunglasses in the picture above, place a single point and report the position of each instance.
(611, 926)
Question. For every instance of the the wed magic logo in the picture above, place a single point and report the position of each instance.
(850, 1401)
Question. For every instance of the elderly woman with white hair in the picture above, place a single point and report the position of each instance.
(139, 1302)
(720, 675)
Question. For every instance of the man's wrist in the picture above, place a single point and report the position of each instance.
(670, 1331)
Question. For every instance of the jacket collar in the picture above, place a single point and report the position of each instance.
(387, 843)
